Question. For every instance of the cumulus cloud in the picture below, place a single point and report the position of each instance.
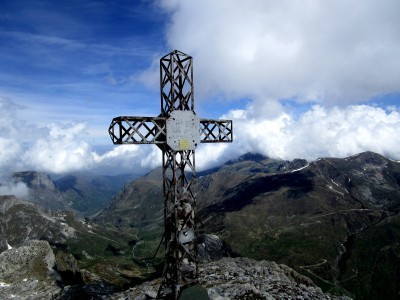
(58, 148)
(128, 159)
(319, 132)
(330, 56)
(328, 52)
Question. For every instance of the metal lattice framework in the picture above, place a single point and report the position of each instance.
(177, 115)
(151, 130)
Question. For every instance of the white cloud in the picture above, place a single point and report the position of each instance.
(18, 189)
(336, 54)
(10, 152)
(319, 132)
(331, 52)
(128, 159)
(58, 148)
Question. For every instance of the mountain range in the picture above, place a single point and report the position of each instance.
(334, 220)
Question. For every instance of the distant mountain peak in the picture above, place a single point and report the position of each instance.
(249, 156)
(369, 157)
(34, 179)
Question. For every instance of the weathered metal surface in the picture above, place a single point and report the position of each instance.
(216, 131)
(183, 130)
(151, 130)
(178, 152)
(137, 130)
(176, 77)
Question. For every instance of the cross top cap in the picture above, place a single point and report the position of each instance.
(176, 52)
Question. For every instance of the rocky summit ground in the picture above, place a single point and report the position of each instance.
(30, 272)
(241, 278)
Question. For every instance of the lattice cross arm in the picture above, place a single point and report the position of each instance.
(152, 130)
(137, 130)
(216, 131)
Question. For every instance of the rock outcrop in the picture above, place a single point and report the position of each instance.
(211, 247)
(27, 272)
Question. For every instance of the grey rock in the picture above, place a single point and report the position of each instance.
(67, 267)
(210, 248)
(296, 164)
(91, 291)
(27, 272)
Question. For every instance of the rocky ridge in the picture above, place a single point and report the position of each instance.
(21, 221)
(32, 271)
(242, 278)
(42, 190)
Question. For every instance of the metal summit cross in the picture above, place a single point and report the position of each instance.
(176, 131)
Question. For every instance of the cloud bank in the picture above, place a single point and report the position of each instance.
(58, 148)
(334, 58)
(319, 132)
(18, 189)
(328, 52)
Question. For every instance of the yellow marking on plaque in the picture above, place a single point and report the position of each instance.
(184, 144)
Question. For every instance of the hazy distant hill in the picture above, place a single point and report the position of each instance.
(82, 192)
(89, 192)
(137, 204)
(323, 218)
(140, 203)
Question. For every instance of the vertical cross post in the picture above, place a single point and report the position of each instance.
(183, 135)
(177, 131)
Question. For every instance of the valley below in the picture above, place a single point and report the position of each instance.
(333, 223)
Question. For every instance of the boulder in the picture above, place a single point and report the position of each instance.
(27, 272)
(210, 247)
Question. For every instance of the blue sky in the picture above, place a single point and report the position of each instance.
(78, 60)
(299, 78)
